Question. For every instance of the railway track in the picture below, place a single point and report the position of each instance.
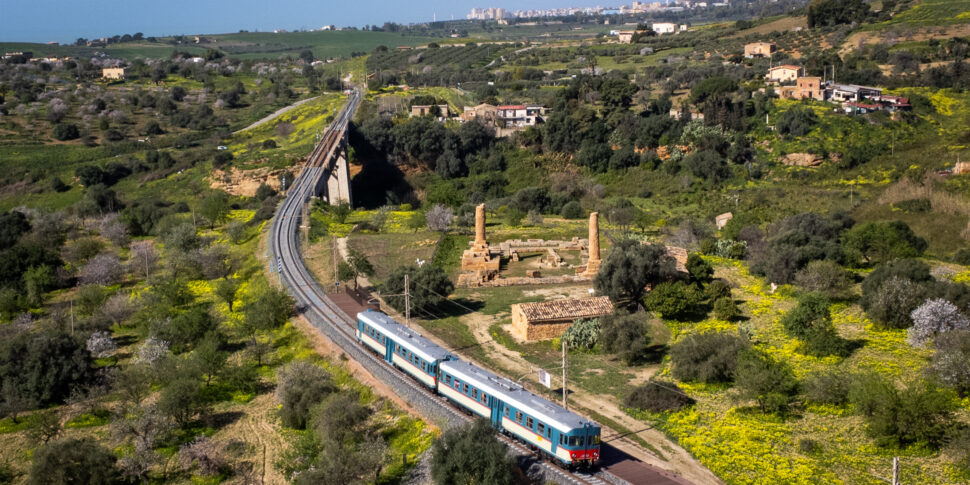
(326, 317)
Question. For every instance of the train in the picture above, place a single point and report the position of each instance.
(559, 434)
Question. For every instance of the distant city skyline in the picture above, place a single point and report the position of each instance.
(64, 21)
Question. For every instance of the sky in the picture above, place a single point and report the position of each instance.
(65, 20)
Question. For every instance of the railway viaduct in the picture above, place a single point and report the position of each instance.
(332, 182)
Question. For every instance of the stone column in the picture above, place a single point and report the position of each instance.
(480, 225)
(594, 237)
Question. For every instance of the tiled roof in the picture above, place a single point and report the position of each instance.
(566, 309)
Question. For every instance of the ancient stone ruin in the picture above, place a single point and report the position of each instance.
(481, 263)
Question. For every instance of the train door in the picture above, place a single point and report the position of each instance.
(388, 349)
(497, 409)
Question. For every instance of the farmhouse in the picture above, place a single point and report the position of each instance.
(664, 28)
(484, 112)
(783, 74)
(759, 49)
(113, 73)
(428, 109)
(626, 36)
(546, 320)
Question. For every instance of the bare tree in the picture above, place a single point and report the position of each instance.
(113, 229)
(152, 352)
(203, 452)
(103, 269)
(118, 308)
(142, 428)
(144, 257)
(440, 217)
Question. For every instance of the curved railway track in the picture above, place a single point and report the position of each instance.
(326, 317)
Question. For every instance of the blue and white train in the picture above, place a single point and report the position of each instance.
(560, 434)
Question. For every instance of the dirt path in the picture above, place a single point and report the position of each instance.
(275, 114)
(256, 427)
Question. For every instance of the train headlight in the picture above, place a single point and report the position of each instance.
(572, 454)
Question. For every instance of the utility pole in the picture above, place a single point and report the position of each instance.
(407, 302)
(895, 470)
(564, 405)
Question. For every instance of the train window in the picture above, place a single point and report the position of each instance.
(475, 393)
(518, 416)
(529, 422)
(484, 398)
(541, 428)
(562, 439)
(506, 412)
(457, 384)
(596, 439)
(549, 433)
(465, 389)
(448, 380)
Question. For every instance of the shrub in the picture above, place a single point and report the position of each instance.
(300, 386)
(726, 309)
(811, 321)
(658, 396)
(731, 249)
(269, 144)
(962, 257)
(893, 302)
(572, 210)
(66, 131)
(699, 269)
(674, 299)
(958, 448)
(74, 461)
(429, 287)
(827, 387)
(513, 217)
(915, 205)
(918, 413)
(717, 289)
(878, 242)
(583, 333)
(825, 277)
(809, 446)
(471, 454)
(765, 380)
(706, 357)
(934, 318)
(624, 334)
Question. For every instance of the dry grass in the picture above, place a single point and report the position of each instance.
(781, 25)
(941, 201)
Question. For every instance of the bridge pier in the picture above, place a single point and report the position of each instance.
(333, 184)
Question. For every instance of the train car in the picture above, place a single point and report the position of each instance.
(401, 346)
(559, 433)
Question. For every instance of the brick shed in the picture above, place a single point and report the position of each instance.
(549, 319)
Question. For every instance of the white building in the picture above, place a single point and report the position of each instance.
(664, 28)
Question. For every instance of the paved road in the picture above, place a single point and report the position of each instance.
(275, 114)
